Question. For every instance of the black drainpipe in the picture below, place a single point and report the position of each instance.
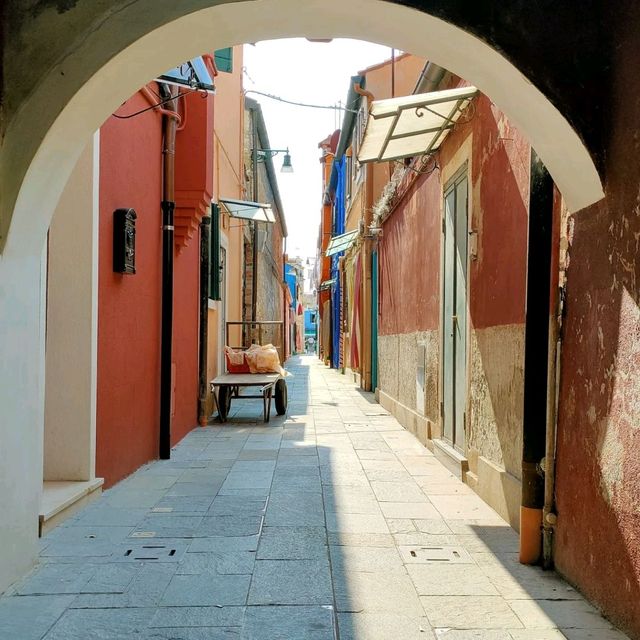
(168, 207)
(536, 358)
(205, 228)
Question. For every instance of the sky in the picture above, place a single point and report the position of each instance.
(310, 72)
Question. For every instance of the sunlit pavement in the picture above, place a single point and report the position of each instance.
(330, 522)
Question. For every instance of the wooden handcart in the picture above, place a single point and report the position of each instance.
(270, 385)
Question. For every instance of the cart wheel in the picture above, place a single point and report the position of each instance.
(281, 397)
(224, 402)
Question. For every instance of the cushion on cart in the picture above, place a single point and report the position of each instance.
(236, 361)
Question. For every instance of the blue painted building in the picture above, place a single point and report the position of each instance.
(337, 192)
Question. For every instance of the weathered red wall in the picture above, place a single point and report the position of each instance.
(598, 469)
(500, 166)
(129, 306)
(409, 259)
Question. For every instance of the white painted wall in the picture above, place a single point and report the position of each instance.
(21, 409)
(72, 325)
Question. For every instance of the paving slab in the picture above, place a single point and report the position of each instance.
(368, 559)
(237, 506)
(182, 617)
(291, 582)
(380, 626)
(145, 590)
(222, 563)
(206, 589)
(362, 592)
(293, 543)
(289, 623)
(295, 509)
(399, 492)
(469, 612)
(194, 633)
(228, 526)
(99, 624)
(450, 580)
(30, 617)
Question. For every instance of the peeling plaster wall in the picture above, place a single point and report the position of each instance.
(388, 352)
(496, 399)
(397, 368)
(597, 545)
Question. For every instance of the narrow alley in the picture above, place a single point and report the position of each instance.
(329, 522)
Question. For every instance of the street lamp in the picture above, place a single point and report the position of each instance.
(262, 154)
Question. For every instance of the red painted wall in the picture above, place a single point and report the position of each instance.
(409, 260)
(501, 157)
(129, 307)
(598, 470)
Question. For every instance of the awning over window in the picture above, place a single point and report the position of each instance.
(412, 125)
(327, 284)
(248, 210)
(341, 243)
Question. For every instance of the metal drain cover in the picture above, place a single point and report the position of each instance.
(151, 553)
(432, 554)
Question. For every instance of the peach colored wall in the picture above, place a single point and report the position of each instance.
(227, 182)
(407, 71)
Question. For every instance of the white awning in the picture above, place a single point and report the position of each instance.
(327, 284)
(248, 210)
(340, 243)
(412, 125)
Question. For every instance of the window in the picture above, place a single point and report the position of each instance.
(224, 59)
(214, 254)
(358, 134)
(349, 175)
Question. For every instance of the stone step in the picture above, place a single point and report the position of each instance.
(61, 499)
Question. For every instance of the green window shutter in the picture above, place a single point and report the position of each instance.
(224, 59)
(214, 254)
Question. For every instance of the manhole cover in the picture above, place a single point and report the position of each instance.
(157, 552)
(424, 555)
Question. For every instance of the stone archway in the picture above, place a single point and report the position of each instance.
(126, 48)
(75, 62)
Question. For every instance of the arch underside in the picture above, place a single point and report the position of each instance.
(109, 61)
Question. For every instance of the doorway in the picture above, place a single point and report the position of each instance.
(454, 310)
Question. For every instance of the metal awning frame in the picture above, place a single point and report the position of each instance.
(247, 205)
(348, 238)
(420, 106)
(327, 284)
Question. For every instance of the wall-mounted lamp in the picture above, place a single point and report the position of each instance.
(287, 167)
(262, 154)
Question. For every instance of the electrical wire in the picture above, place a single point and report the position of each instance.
(155, 106)
(300, 104)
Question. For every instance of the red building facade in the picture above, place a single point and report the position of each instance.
(129, 306)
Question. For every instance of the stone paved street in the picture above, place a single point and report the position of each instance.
(330, 522)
